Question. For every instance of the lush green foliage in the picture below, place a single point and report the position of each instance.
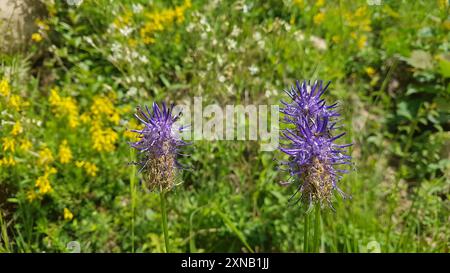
(67, 101)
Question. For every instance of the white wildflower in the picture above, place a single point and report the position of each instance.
(245, 8)
(126, 30)
(318, 42)
(236, 31)
(143, 59)
(257, 36)
(190, 27)
(253, 69)
(231, 44)
(132, 92)
(137, 8)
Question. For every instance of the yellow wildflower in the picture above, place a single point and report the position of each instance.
(364, 23)
(336, 39)
(132, 125)
(41, 24)
(17, 128)
(443, 4)
(85, 118)
(103, 139)
(128, 134)
(187, 4)
(67, 214)
(45, 156)
(446, 24)
(64, 106)
(362, 41)
(159, 20)
(31, 195)
(361, 11)
(149, 40)
(36, 37)
(320, 3)
(100, 105)
(370, 71)
(319, 18)
(73, 121)
(179, 14)
(91, 168)
(5, 90)
(125, 109)
(9, 144)
(114, 118)
(104, 105)
(9, 161)
(65, 154)
(54, 98)
(15, 102)
(299, 3)
(79, 164)
(359, 20)
(51, 170)
(123, 20)
(43, 182)
(25, 145)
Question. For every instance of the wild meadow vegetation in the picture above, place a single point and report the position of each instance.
(67, 101)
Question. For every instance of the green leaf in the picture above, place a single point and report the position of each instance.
(420, 59)
(444, 67)
(164, 80)
(13, 200)
(233, 228)
(178, 86)
(402, 110)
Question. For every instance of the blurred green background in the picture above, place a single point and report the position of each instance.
(67, 95)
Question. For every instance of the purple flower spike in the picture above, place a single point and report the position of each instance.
(158, 146)
(315, 160)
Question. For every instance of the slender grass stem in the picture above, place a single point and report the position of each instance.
(164, 219)
(317, 229)
(4, 235)
(305, 233)
(133, 198)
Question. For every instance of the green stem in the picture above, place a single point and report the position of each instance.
(133, 198)
(164, 219)
(317, 229)
(305, 233)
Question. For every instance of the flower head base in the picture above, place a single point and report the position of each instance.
(158, 145)
(314, 155)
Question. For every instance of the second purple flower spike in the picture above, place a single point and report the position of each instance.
(315, 159)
